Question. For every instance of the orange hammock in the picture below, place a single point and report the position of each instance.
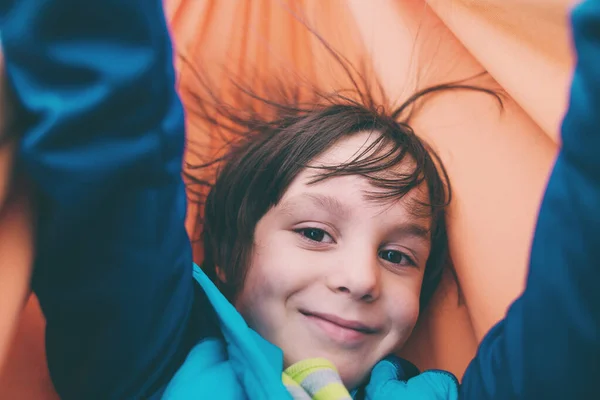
(498, 162)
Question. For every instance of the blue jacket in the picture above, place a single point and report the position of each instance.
(103, 141)
(237, 364)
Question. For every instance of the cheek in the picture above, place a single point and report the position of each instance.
(403, 309)
(269, 282)
(257, 288)
(278, 266)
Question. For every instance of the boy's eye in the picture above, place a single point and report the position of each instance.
(315, 234)
(395, 257)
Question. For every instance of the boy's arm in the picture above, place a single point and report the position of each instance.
(103, 144)
(548, 346)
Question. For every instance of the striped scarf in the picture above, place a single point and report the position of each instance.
(315, 379)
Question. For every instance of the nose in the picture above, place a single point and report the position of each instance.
(357, 274)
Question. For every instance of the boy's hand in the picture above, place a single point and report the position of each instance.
(429, 385)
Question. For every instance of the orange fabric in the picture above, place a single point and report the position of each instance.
(16, 257)
(25, 376)
(525, 46)
(15, 233)
(498, 161)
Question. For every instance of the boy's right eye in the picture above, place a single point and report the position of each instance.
(315, 235)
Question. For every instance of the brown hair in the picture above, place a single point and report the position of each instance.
(279, 132)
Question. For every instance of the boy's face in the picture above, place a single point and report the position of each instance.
(334, 274)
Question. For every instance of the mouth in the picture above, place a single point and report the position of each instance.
(343, 331)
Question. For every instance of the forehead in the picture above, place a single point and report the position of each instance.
(359, 146)
(352, 190)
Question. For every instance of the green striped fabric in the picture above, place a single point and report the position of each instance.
(316, 379)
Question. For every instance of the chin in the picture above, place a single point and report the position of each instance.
(353, 379)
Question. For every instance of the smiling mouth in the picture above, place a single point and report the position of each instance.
(338, 329)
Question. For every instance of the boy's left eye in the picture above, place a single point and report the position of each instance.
(315, 235)
(395, 257)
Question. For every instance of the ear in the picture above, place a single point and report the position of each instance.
(221, 274)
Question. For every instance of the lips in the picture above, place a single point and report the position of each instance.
(344, 323)
(339, 329)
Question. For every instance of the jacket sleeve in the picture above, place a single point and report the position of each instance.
(548, 345)
(103, 142)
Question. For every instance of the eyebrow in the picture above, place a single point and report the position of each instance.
(336, 207)
(329, 203)
(412, 229)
